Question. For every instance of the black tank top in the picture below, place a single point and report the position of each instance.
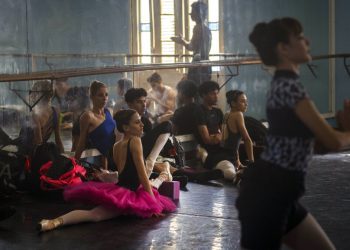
(128, 178)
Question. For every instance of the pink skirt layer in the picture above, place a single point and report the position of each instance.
(112, 196)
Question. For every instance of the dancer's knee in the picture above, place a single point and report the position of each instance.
(227, 168)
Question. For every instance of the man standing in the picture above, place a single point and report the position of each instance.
(200, 43)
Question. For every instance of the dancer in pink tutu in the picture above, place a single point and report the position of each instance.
(132, 194)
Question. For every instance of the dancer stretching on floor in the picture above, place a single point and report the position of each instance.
(132, 194)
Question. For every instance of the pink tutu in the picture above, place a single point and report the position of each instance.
(112, 196)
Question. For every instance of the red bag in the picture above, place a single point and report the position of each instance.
(73, 175)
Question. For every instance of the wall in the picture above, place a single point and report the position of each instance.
(342, 42)
(62, 27)
(102, 26)
(239, 20)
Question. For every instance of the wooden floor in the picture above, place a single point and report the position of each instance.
(206, 217)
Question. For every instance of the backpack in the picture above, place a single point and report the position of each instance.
(174, 149)
(60, 173)
(49, 170)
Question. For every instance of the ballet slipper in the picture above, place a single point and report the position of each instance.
(47, 225)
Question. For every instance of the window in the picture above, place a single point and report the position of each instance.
(161, 19)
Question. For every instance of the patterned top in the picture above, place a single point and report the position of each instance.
(289, 141)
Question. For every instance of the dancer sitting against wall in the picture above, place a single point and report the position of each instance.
(188, 111)
(233, 129)
(132, 194)
(153, 139)
(269, 208)
(97, 125)
(43, 121)
(209, 121)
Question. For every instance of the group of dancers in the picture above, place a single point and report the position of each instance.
(268, 204)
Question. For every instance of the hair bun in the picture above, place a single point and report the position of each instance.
(258, 34)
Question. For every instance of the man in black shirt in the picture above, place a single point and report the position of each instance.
(184, 117)
(209, 120)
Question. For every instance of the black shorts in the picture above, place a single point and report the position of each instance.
(268, 205)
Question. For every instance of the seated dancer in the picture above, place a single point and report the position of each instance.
(153, 139)
(43, 121)
(97, 125)
(209, 121)
(187, 111)
(161, 99)
(132, 195)
(234, 125)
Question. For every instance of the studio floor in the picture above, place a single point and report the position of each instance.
(206, 217)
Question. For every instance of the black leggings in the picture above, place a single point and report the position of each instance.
(268, 205)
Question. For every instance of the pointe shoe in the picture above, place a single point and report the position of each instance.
(47, 225)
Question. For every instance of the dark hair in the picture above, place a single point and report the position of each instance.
(80, 95)
(266, 36)
(155, 77)
(201, 8)
(95, 86)
(187, 88)
(207, 87)
(124, 83)
(123, 117)
(134, 94)
(232, 96)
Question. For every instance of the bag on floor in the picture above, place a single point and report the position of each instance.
(174, 149)
(42, 154)
(60, 173)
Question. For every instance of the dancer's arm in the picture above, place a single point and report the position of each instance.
(238, 120)
(137, 155)
(209, 138)
(84, 123)
(330, 138)
(58, 139)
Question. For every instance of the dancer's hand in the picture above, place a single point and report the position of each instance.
(177, 39)
(343, 117)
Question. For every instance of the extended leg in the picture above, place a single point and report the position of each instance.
(77, 216)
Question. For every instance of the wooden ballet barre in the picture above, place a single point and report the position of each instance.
(56, 74)
(78, 72)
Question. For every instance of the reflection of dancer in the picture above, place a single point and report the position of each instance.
(132, 194)
(162, 96)
(268, 203)
(42, 123)
(200, 43)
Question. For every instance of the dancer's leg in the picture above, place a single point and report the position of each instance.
(165, 175)
(77, 216)
(308, 235)
(227, 168)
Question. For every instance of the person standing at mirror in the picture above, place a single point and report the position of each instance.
(200, 43)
